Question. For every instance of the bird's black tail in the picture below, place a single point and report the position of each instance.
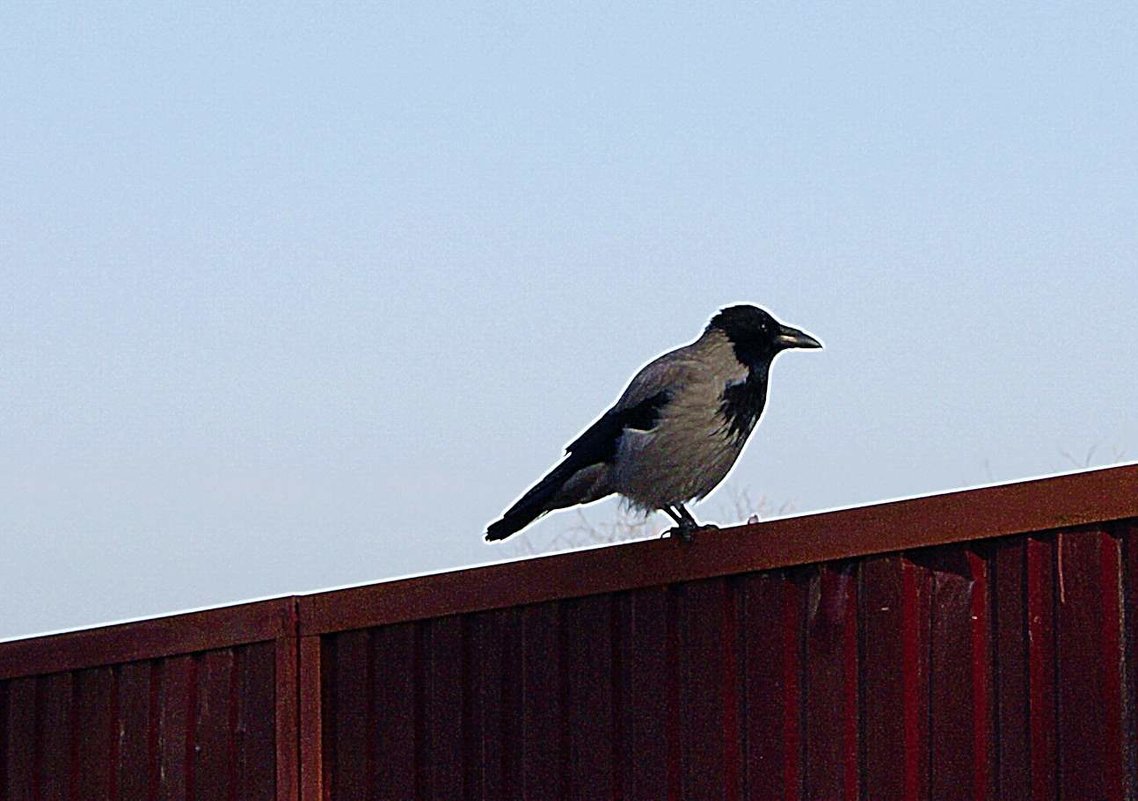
(539, 499)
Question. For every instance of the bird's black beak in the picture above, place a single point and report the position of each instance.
(793, 338)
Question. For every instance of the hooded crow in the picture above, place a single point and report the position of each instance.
(676, 431)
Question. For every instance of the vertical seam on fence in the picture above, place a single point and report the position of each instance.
(310, 731)
(286, 703)
(979, 608)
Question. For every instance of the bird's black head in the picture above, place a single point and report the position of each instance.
(756, 336)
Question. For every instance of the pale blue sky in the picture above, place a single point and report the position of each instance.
(294, 297)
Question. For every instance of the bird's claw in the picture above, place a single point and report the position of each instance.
(687, 533)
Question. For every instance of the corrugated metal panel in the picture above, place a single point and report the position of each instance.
(181, 727)
(972, 645)
(181, 724)
(995, 669)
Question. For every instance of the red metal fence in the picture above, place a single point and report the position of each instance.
(977, 644)
(201, 705)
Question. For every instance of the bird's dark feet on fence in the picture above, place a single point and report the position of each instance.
(685, 527)
(684, 531)
(687, 533)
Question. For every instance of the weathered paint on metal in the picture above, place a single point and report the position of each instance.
(970, 671)
(179, 708)
(198, 726)
(975, 645)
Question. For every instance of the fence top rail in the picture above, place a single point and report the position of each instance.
(153, 638)
(1038, 505)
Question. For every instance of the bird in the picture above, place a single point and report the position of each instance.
(676, 430)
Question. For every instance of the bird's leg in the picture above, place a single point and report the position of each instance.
(688, 525)
(685, 526)
(672, 513)
(685, 516)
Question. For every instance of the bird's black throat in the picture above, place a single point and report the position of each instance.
(742, 403)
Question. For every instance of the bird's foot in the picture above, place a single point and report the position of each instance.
(686, 532)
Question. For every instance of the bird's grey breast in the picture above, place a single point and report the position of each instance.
(692, 446)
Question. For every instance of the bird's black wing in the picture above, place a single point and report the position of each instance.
(595, 446)
(598, 443)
